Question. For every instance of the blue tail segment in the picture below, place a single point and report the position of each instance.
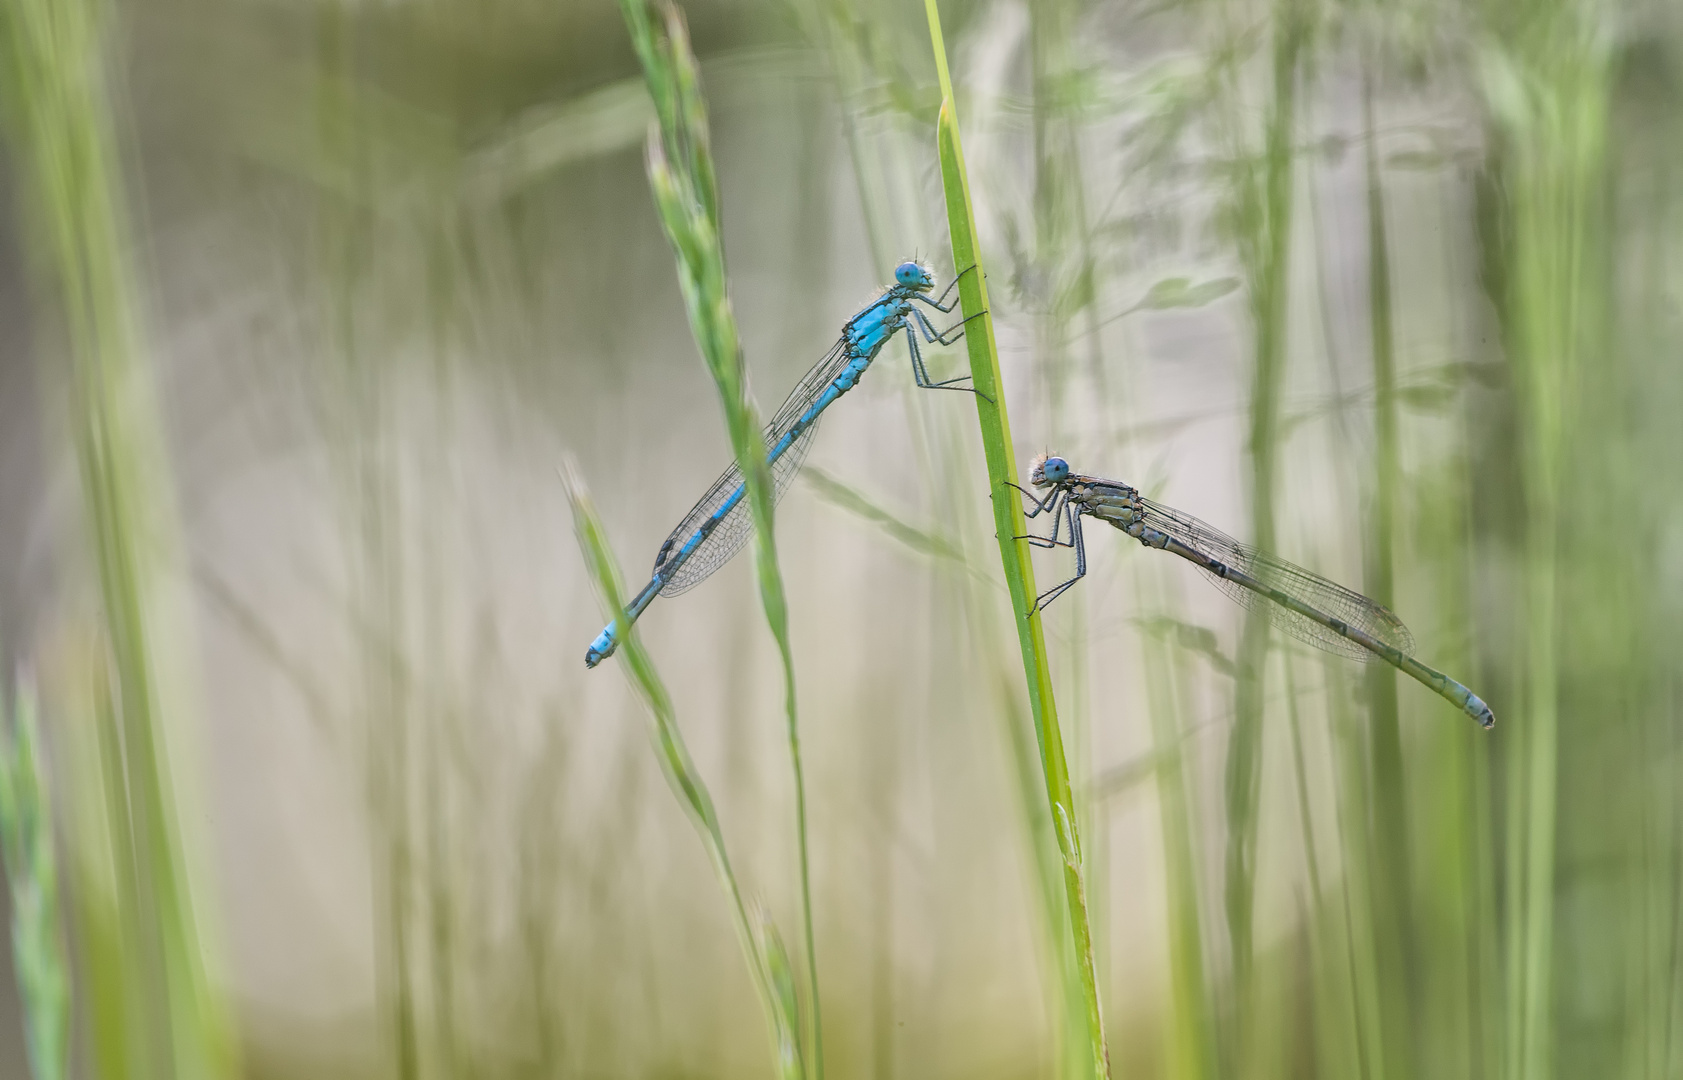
(1478, 710)
(607, 641)
(600, 649)
(718, 526)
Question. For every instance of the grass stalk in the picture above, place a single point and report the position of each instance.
(681, 172)
(1191, 1056)
(1356, 905)
(1063, 264)
(767, 964)
(358, 410)
(1547, 90)
(167, 1018)
(1014, 552)
(1265, 201)
(1331, 1056)
(39, 957)
(1392, 917)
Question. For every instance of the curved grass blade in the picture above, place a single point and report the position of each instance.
(686, 783)
(681, 174)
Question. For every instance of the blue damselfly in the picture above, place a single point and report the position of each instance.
(1304, 605)
(716, 527)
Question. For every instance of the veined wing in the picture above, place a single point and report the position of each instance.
(737, 525)
(1326, 596)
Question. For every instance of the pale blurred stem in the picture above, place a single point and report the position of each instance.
(1317, 928)
(391, 754)
(1554, 188)
(442, 886)
(66, 145)
(1541, 554)
(1266, 209)
(1548, 84)
(1193, 1057)
(1356, 906)
(1058, 223)
(847, 69)
(1394, 931)
(371, 506)
(1062, 232)
(436, 717)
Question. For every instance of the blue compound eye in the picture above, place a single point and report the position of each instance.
(908, 273)
(1055, 469)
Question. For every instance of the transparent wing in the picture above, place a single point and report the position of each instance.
(734, 529)
(1329, 597)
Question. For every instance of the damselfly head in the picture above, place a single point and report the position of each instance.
(1048, 470)
(912, 275)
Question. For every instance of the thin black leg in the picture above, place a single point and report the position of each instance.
(1080, 545)
(1057, 524)
(1039, 503)
(921, 374)
(933, 336)
(941, 305)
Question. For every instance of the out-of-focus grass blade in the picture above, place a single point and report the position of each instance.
(542, 140)
(155, 1006)
(680, 771)
(1548, 91)
(26, 841)
(855, 502)
(1120, 779)
(1179, 292)
(607, 120)
(785, 993)
(1196, 639)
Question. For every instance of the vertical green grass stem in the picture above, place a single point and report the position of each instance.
(26, 843)
(1547, 87)
(1394, 927)
(1008, 526)
(1265, 203)
(1191, 1055)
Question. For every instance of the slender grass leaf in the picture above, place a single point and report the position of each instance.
(678, 767)
(1014, 551)
(39, 955)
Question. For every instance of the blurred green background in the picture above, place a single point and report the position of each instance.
(302, 305)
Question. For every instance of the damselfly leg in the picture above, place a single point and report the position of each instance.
(920, 372)
(941, 305)
(1076, 541)
(1040, 505)
(1063, 513)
